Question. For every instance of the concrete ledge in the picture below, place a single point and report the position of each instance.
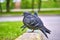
(31, 36)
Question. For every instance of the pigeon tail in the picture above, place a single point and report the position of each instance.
(46, 30)
(43, 31)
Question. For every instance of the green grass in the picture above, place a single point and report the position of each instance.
(12, 13)
(10, 30)
(52, 12)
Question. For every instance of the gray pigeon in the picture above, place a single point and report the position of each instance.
(34, 22)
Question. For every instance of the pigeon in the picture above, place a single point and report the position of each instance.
(34, 22)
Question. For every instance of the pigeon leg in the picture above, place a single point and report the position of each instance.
(23, 27)
(32, 30)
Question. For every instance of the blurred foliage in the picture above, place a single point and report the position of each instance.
(27, 4)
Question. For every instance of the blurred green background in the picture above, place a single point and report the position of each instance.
(27, 4)
(44, 4)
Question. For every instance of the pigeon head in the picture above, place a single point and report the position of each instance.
(26, 14)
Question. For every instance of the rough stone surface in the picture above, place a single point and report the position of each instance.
(30, 36)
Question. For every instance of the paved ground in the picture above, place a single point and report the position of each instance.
(51, 22)
(11, 18)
